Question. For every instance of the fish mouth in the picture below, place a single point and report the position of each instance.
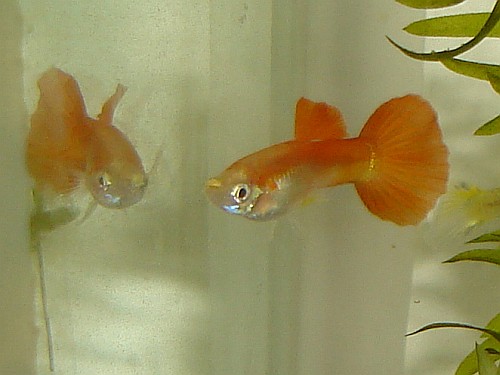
(213, 183)
(215, 192)
(220, 197)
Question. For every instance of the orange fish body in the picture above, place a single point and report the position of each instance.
(66, 147)
(398, 164)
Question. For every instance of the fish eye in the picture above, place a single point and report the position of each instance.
(240, 192)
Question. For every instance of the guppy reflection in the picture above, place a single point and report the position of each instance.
(398, 164)
(66, 147)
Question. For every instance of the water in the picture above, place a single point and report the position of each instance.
(173, 286)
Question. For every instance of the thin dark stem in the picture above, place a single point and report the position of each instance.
(43, 290)
(448, 54)
(37, 247)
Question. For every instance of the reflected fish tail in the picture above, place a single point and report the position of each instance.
(466, 208)
(55, 153)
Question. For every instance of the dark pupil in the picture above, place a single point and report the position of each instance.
(104, 183)
(242, 193)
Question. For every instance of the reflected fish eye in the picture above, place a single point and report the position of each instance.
(104, 182)
(115, 190)
(240, 192)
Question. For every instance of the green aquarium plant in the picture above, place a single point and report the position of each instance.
(484, 357)
(476, 26)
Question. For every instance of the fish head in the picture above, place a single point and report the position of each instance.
(236, 193)
(115, 175)
(117, 186)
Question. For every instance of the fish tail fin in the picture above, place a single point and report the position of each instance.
(61, 99)
(408, 169)
(54, 154)
(465, 209)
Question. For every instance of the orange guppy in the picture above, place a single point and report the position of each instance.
(66, 147)
(398, 164)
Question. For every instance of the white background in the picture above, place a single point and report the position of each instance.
(173, 286)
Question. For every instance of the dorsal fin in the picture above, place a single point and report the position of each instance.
(108, 108)
(316, 121)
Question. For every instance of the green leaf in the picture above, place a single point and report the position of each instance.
(485, 362)
(490, 128)
(456, 26)
(480, 255)
(494, 325)
(472, 69)
(488, 26)
(488, 237)
(494, 79)
(486, 72)
(469, 364)
(429, 4)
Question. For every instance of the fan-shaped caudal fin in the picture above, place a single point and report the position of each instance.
(409, 167)
(315, 121)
